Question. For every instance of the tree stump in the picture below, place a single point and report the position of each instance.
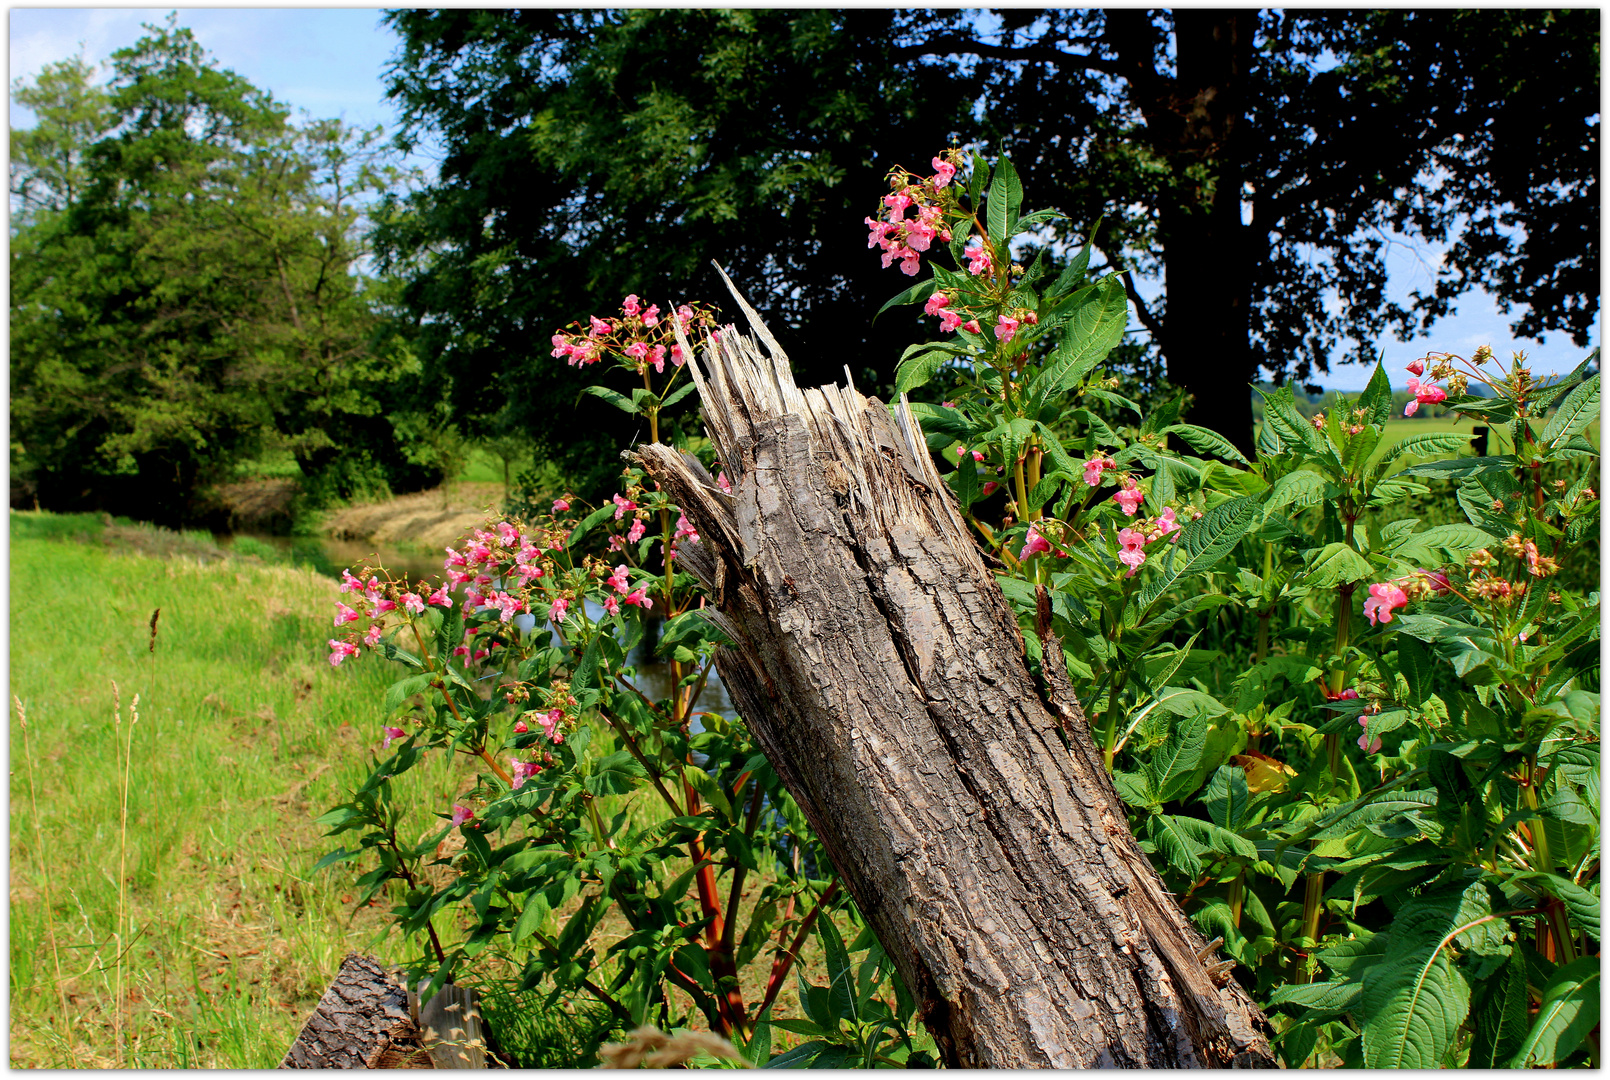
(369, 1020)
(882, 671)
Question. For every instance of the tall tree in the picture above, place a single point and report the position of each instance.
(183, 291)
(1257, 160)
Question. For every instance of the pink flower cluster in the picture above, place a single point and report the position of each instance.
(1132, 541)
(1388, 596)
(1425, 393)
(905, 239)
(627, 595)
(949, 321)
(640, 337)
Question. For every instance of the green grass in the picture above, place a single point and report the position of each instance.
(245, 734)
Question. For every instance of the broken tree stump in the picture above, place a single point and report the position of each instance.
(367, 1019)
(881, 669)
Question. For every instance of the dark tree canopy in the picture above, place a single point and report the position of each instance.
(591, 154)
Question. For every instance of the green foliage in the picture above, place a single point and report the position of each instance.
(184, 289)
(1380, 895)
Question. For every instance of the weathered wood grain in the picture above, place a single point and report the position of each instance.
(881, 670)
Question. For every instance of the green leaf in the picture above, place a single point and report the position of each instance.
(917, 294)
(531, 919)
(585, 674)
(1453, 541)
(620, 401)
(1206, 441)
(1173, 763)
(1570, 1010)
(1575, 413)
(687, 388)
(1412, 1007)
(1376, 400)
(1088, 336)
(1461, 467)
(399, 692)
(1325, 997)
(918, 370)
(1302, 488)
(1500, 1018)
(1227, 797)
(1336, 563)
(1175, 844)
(1441, 442)
(1005, 198)
(1201, 544)
(840, 984)
(585, 526)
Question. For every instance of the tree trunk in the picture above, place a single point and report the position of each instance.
(881, 669)
(1196, 122)
(362, 1022)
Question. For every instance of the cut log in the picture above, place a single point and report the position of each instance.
(369, 1019)
(363, 1021)
(881, 670)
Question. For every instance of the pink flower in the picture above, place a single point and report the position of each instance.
(461, 814)
(635, 533)
(879, 233)
(556, 612)
(413, 603)
(1417, 368)
(454, 559)
(630, 305)
(440, 597)
(508, 534)
(935, 302)
(637, 350)
(521, 771)
(372, 638)
(919, 235)
(723, 483)
(599, 326)
(561, 345)
(1384, 599)
(1095, 467)
(1130, 498)
(685, 530)
(677, 358)
(1034, 543)
(961, 451)
(340, 650)
(651, 315)
(623, 506)
(990, 487)
(581, 354)
(657, 358)
(520, 728)
(561, 505)
(943, 171)
(684, 314)
(640, 598)
(1365, 743)
(897, 204)
(948, 322)
(550, 725)
(1130, 549)
(1165, 523)
(350, 583)
(1318, 421)
(507, 606)
(381, 607)
(344, 614)
(392, 734)
(458, 577)
(978, 259)
(972, 327)
(1006, 328)
(612, 605)
(618, 580)
(1437, 580)
(1424, 394)
(617, 542)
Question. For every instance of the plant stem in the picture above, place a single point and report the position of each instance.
(1313, 898)
(785, 961)
(44, 869)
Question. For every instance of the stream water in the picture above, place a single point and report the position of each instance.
(332, 556)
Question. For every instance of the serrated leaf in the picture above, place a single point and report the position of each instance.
(1500, 1018)
(1575, 413)
(1570, 1010)
(1088, 336)
(1336, 563)
(1206, 441)
(1412, 1007)
(1201, 544)
(1440, 442)
(1005, 197)
(582, 528)
(1376, 400)
(1302, 488)
(917, 294)
(918, 370)
(620, 401)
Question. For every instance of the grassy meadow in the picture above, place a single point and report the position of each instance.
(164, 912)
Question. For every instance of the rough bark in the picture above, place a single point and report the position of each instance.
(367, 1019)
(363, 1021)
(882, 671)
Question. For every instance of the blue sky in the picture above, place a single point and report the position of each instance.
(331, 62)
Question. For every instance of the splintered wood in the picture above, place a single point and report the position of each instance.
(882, 671)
